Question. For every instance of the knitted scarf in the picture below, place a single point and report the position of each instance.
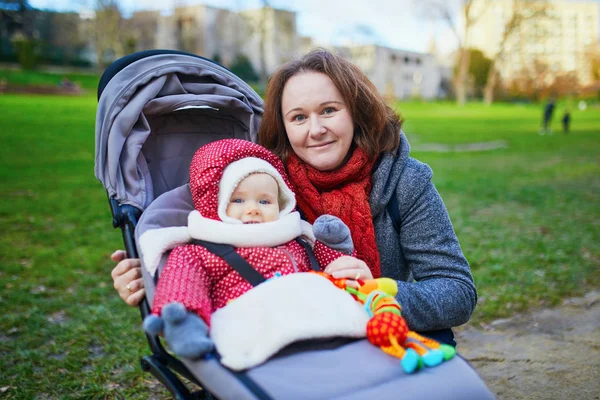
(343, 193)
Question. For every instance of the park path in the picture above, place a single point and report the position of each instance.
(546, 354)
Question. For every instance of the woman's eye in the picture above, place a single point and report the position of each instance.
(299, 118)
(329, 110)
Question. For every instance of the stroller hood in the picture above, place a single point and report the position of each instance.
(156, 111)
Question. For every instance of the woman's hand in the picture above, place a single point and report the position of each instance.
(127, 278)
(351, 268)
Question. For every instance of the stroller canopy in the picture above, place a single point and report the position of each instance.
(155, 111)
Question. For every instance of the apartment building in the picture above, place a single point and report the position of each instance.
(397, 73)
(554, 42)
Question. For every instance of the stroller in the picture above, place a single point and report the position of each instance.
(155, 109)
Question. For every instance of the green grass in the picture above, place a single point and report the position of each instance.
(527, 217)
(86, 81)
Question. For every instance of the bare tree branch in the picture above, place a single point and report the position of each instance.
(443, 10)
(523, 11)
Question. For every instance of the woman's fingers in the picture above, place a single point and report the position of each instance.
(118, 255)
(128, 283)
(349, 268)
(127, 278)
(354, 274)
(136, 296)
(125, 266)
(343, 263)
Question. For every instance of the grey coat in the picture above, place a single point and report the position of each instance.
(426, 249)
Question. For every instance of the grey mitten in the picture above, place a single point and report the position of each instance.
(185, 332)
(333, 233)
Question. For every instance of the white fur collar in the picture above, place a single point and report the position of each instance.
(156, 242)
(267, 234)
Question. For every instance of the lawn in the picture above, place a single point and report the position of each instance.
(527, 216)
(86, 81)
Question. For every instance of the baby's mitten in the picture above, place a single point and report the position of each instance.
(185, 332)
(332, 232)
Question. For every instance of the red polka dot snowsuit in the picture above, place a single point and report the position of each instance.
(203, 282)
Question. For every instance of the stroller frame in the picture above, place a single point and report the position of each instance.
(159, 363)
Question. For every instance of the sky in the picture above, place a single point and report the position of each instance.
(400, 24)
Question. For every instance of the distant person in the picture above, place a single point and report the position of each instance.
(566, 121)
(68, 85)
(547, 120)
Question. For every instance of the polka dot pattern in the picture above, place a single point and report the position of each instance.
(326, 255)
(384, 325)
(204, 282)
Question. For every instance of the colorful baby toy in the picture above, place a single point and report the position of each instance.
(388, 330)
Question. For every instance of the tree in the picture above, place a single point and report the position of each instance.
(479, 69)
(242, 67)
(443, 10)
(592, 55)
(521, 11)
(18, 16)
(263, 41)
(17, 30)
(565, 84)
(104, 30)
(533, 82)
(257, 24)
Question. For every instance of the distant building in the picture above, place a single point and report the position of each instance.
(397, 73)
(144, 28)
(207, 31)
(267, 37)
(221, 34)
(555, 42)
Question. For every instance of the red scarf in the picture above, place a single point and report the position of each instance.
(343, 193)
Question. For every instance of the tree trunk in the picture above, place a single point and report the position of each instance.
(490, 85)
(263, 44)
(462, 76)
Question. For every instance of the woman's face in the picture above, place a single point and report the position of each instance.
(317, 120)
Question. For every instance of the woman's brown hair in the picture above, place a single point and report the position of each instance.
(376, 125)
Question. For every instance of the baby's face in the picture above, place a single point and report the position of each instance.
(255, 200)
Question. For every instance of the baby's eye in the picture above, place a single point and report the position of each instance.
(265, 202)
(235, 200)
(299, 118)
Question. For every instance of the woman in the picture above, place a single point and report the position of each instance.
(346, 156)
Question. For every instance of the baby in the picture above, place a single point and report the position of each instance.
(242, 197)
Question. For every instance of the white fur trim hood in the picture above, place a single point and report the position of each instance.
(235, 172)
(156, 242)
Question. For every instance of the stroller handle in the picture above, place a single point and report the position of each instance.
(125, 217)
